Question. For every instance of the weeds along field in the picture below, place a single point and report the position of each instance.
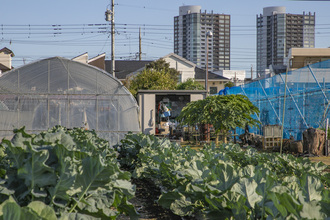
(73, 174)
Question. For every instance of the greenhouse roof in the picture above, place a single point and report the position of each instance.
(58, 75)
(59, 91)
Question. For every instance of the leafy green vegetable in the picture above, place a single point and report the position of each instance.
(227, 181)
(65, 173)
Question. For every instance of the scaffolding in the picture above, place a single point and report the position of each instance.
(306, 99)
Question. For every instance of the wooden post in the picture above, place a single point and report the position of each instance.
(326, 137)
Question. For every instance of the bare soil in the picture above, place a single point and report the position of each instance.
(145, 202)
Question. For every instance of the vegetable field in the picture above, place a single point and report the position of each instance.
(73, 174)
(227, 182)
(62, 174)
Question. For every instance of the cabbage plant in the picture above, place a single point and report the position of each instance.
(68, 173)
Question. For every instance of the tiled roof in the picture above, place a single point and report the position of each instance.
(125, 67)
(200, 75)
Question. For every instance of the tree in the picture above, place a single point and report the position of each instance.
(190, 84)
(156, 76)
(161, 65)
(223, 112)
(151, 80)
(229, 84)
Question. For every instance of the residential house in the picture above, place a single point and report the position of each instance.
(301, 57)
(238, 77)
(98, 61)
(186, 68)
(215, 81)
(5, 59)
(126, 68)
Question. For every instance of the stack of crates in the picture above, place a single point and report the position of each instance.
(272, 136)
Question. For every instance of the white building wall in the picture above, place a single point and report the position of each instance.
(187, 71)
(5, 60)
(232, 74)
(187, 9)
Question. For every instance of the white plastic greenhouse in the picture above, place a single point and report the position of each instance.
(58, 91)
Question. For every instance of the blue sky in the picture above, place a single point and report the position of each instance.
(37, 29)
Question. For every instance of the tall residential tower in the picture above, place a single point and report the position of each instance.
(277, 32)
(190, 33)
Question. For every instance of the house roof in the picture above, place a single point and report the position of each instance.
(126, 67)
(200, 75)
(8, 51)
(81, 58)
(100, 56)
(179, 58)
(3, 68)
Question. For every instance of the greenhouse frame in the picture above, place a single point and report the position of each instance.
(58, 91)
(303, 104)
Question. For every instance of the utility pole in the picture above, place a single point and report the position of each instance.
(110, 15)
(251, 72)
(208, 35)
(140, 48)
(235, 80)
(113, 38)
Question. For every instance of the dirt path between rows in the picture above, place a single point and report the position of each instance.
(145, 202)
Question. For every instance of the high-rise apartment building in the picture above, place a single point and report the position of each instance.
(277, 32)
(190, 37)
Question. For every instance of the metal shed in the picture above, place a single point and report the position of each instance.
(175, 100)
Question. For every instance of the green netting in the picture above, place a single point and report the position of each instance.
(307, 99)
